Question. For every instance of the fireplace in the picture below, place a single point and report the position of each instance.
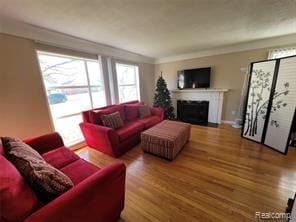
(215, 98)
(195, 112)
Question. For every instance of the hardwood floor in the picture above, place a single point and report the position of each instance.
(218, 176)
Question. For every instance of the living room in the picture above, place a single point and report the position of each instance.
(110, 93)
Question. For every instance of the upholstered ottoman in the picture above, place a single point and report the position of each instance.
(165, 139)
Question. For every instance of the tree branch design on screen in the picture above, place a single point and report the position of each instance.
(260, 85)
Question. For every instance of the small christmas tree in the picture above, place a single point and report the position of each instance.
(162, 98)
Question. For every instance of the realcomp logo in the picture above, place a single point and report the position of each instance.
(272, 215)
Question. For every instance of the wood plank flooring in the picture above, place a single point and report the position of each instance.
(218, 176)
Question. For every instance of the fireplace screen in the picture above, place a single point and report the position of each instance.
(193, 111)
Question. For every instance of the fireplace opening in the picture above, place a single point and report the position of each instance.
(195, 112)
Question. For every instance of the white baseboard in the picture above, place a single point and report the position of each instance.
(228, 122)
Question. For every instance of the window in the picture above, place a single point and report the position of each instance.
(128, 82)
(72, 85)
(280, 53)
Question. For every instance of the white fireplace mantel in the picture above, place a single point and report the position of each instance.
(214, 96)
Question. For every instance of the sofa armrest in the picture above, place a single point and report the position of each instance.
(102, 138)
(156, 111)
(100, 197)
(46, 142)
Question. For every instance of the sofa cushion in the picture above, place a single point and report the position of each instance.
(95, 116)
(60, 157)
(144, 111)
(1, 148)
(131, 111)
(129, 129)
(46, 180)
(17, 200)
(79, 170)
(112, 120)
(149, 121)
(121, 111)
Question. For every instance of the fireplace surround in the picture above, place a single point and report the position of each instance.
(213, 96)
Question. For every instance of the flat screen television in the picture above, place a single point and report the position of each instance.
(194, 78)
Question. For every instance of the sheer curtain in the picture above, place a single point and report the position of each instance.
(282, 52)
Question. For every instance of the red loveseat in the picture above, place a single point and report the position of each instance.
(97, 195)
(116, 142)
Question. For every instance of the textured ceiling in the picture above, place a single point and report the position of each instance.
(159, 28)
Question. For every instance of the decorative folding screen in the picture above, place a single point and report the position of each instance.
(283, 106)
(260, 85)
(271, 102)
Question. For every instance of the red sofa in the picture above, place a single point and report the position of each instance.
(116, 142)
(97, 195)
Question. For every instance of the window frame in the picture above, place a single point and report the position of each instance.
(114, 81)
(88, 86)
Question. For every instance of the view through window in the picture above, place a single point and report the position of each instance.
(72, 85)
(128, 82)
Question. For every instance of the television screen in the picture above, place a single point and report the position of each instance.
(194, 78)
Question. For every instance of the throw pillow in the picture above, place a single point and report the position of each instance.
(112, 120)
(47, 181)
(144, 111)
(95, 116)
